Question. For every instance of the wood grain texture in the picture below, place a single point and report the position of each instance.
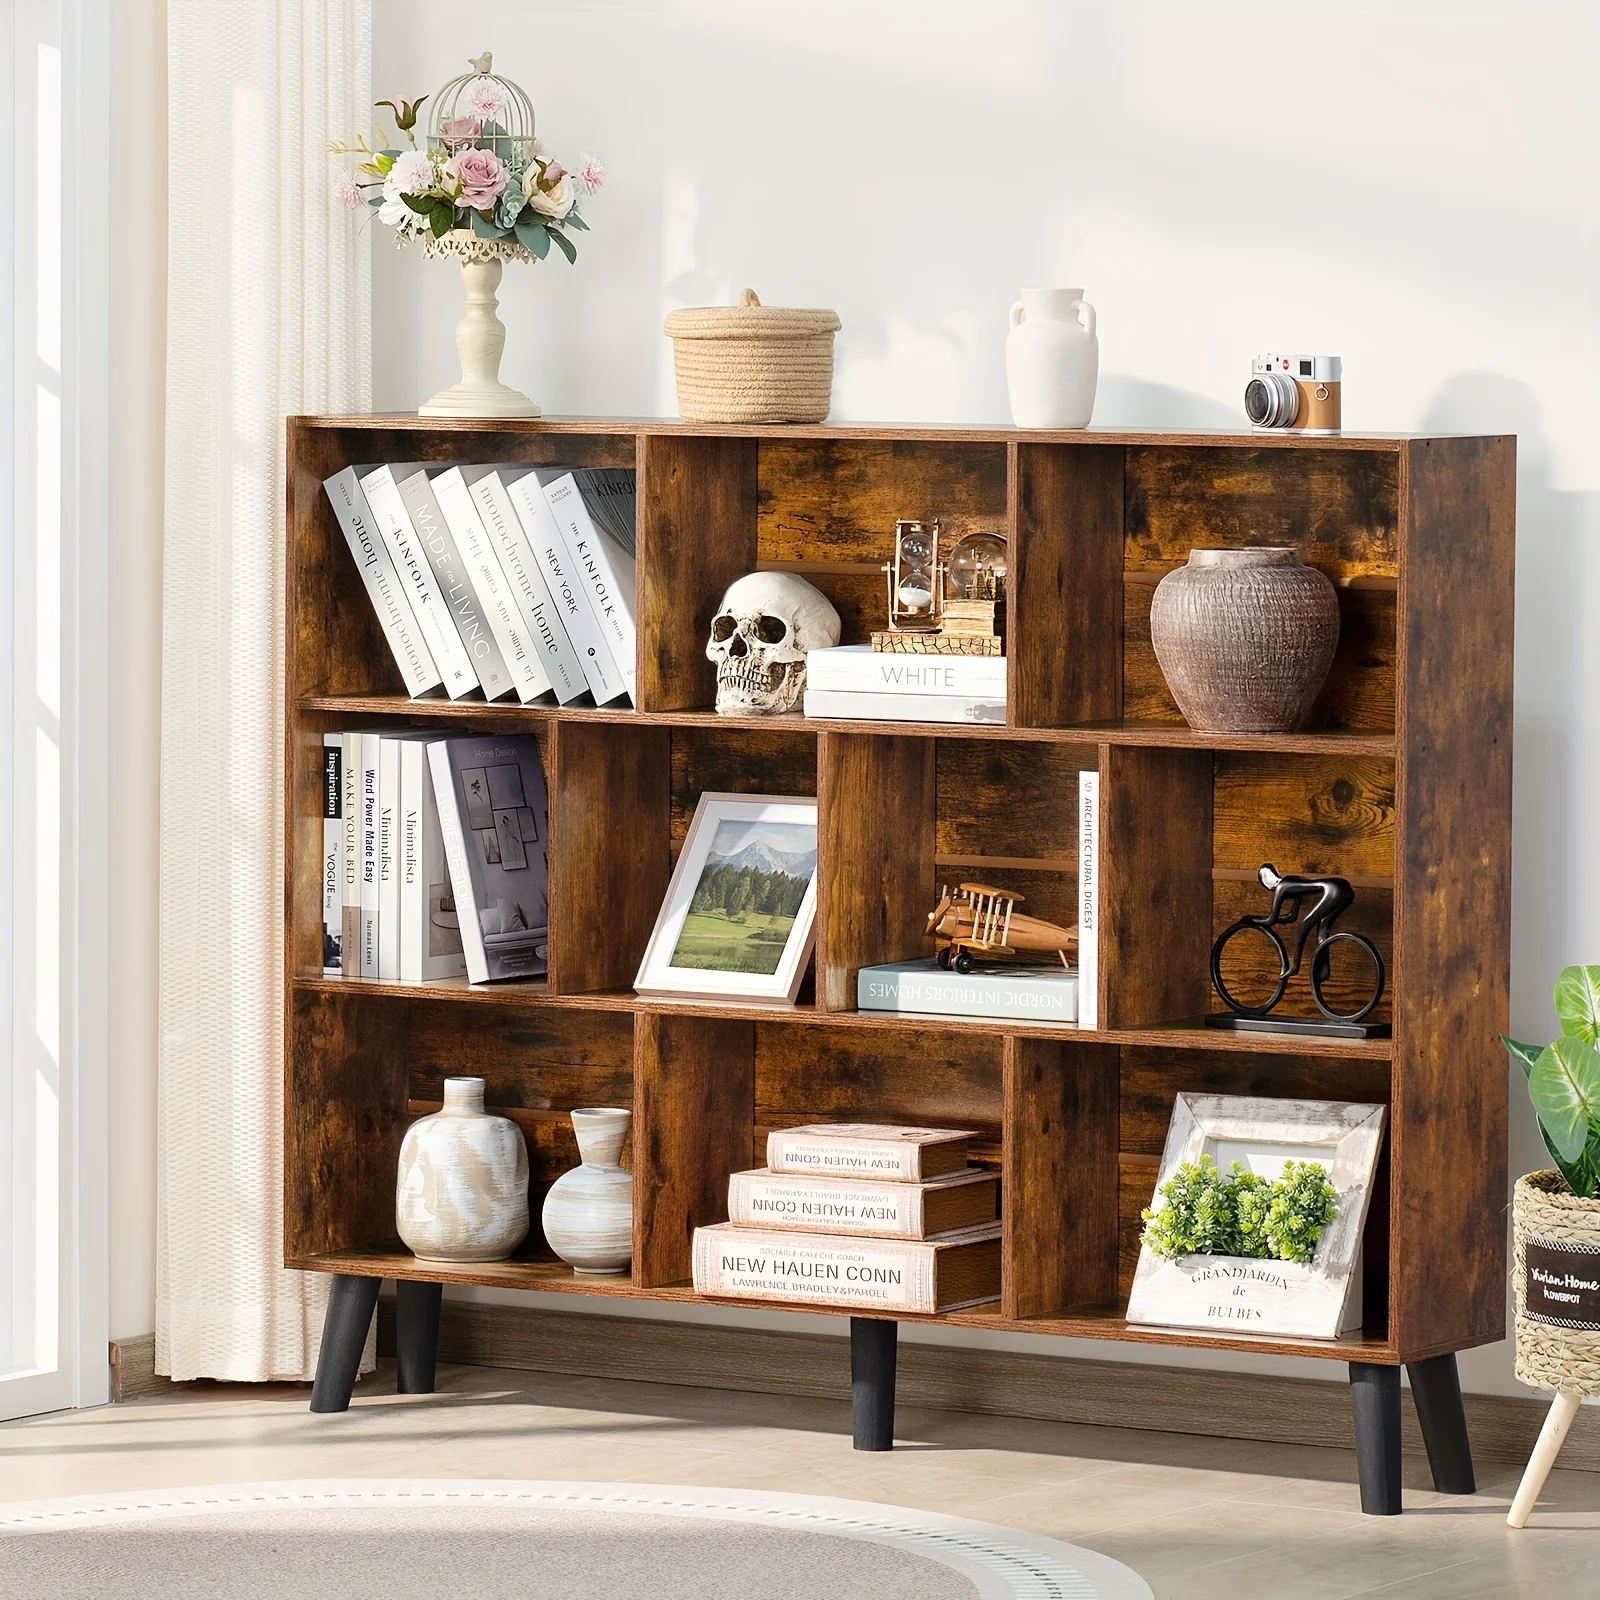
(696, 533)
(839, 500)
(875, 854)
(1453, 891)
(1317, 815)
(694, 1115)
(1359, 693)
(1065, 601)
(813, 1074)
(776, 760)
(1340, 508)
(1155, 885)
(1058, 1191)
(609, 858)
(1006, 798)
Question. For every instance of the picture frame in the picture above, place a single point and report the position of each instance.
(739, 918)
(1246, 1295)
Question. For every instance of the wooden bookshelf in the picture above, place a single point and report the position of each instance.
(1401, 783)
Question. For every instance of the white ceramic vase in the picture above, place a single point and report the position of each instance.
(588, 1213)
(462, 1189)
(480, 335)
(1052, 359)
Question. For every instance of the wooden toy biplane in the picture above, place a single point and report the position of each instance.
(978, 921)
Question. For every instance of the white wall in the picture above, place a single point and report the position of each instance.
(1408, 185)
(138, 364)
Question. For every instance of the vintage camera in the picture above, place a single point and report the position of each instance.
(1299, 392)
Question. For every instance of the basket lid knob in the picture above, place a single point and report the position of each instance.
(747, 297)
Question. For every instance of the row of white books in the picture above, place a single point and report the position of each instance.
(434, 857)
(856, 682)
(864, 1215)
(498, 580)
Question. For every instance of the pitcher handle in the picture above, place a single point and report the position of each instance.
(1016, 314)
(1086, 317)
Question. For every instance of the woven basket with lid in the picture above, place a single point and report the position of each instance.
(753, 363)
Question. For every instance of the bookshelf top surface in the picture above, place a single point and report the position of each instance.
(1383, 443)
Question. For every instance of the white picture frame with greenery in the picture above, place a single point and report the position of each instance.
(1318, 1299)
(739, 918)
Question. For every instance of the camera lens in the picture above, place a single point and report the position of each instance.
(1271, 401)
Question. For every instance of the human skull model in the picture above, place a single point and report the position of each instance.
(759, 639)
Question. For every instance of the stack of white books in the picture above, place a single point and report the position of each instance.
(854, 681)
(498, 580)
(435, 857)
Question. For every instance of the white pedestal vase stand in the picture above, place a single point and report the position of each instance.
(480, 334)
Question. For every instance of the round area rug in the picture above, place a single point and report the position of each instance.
(373, 1539)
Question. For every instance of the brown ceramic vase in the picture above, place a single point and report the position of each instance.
(1245, 638)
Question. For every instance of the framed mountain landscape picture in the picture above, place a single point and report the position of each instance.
(740, 912)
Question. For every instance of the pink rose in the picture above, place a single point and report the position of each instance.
(481, 174)
(457, 131)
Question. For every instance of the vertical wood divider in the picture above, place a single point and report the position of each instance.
(694, 1097)
(1155, 885)
(1058, 1189)
(1065, 602)
(696, 534)
(875, 856)
(610, 815)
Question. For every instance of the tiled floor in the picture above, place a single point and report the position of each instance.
(1198, 1518)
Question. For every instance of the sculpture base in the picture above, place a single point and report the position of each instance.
(479, 400)
(1317, 1026)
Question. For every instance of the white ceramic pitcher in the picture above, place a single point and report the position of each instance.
(1052, 359)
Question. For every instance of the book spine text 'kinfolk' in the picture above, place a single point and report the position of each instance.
(385, 590)
(1088, 899)
(332, 851)
(605, 570)
(416, 572)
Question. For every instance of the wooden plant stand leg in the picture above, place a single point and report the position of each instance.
(872, 1362)
(416, 1335)
(344, 1337)
(1375, 1398)
(1551, 1436)
(1436, 1392)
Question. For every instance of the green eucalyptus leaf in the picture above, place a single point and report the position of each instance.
(1523, 1054)
(1565, 1088)
(573, 220)
(483, 226)
(566, 245)
(1578, 1003)
(536, 237)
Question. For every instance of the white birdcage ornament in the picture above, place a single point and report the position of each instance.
(504, 115)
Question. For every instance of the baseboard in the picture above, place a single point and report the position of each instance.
(1228, 1405)
(133, 1369)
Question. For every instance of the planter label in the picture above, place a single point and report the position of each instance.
(1561, 1283)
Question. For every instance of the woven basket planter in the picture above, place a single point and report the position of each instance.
(1557, 1237)
(753, 363)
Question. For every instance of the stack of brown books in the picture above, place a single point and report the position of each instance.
(857, 1214)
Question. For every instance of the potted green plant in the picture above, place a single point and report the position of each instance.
(1556, 1223)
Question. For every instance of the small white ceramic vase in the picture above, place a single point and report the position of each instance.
(480, 334)
(462, 1189)
(1052, 359)
(588, 1213)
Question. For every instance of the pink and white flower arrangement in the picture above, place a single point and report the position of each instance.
(470, 174)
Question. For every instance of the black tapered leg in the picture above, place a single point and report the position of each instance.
(1375, 1397)
(872, 1360)
(416, 1335)
(1436, 1390)
(344, 1337)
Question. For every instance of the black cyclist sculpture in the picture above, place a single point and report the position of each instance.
(1312, 906)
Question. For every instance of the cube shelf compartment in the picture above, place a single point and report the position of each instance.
(1400, 783)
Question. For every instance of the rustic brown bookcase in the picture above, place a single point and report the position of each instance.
(1402, 784)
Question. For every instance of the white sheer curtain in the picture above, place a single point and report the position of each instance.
(268, 314)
